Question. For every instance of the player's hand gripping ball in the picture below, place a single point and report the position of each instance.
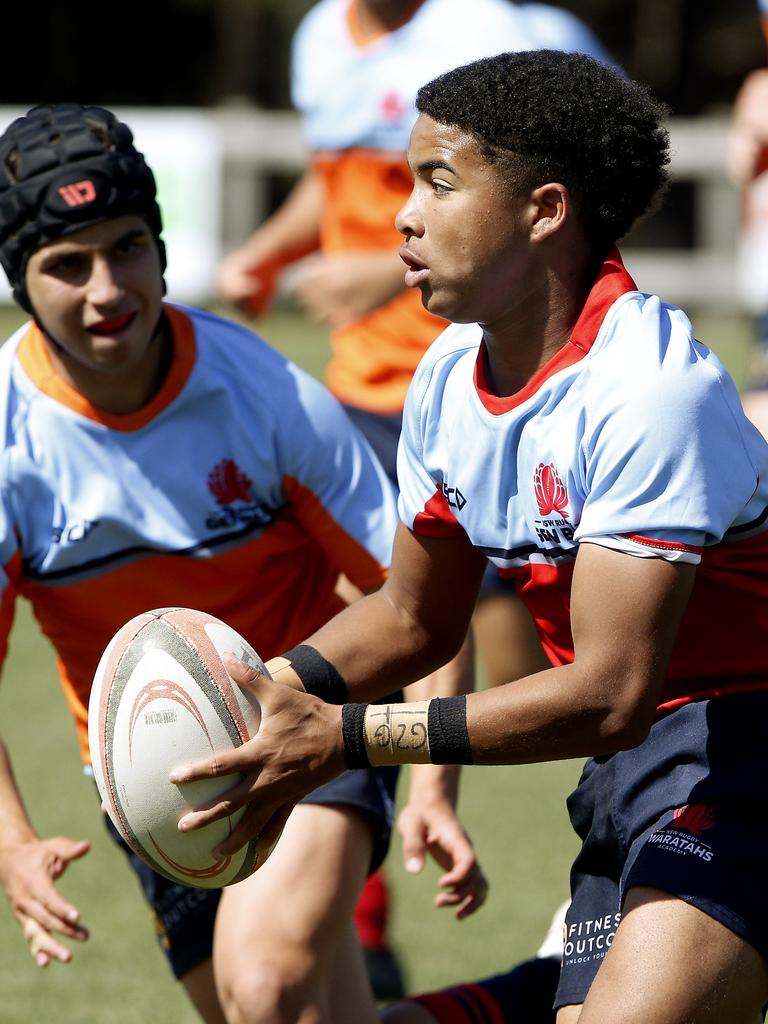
(162, 697)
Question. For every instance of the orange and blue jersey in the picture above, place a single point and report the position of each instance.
(632, 437)
(241, 488)
(356, 94)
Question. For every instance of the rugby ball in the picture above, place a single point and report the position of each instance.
(162, 698)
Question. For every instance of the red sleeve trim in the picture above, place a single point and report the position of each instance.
(723, 691)
(437, 519)
(663, 545)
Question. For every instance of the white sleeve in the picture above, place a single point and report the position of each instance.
(669, 461)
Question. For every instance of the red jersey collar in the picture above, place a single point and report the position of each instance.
(611, 283)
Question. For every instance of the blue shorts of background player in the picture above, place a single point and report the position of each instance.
(185, 916)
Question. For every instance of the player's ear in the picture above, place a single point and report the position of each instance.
(552, 208)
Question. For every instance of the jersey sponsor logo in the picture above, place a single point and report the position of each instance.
(692, 819)
(453, 496)
(589, 939)
(231, 488)
(78, 193)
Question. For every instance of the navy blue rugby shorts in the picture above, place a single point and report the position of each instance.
(686, 812)
(184, 916)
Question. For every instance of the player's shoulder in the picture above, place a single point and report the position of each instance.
(16, 389)
(449, 347)
(227, 346)
(244, 361)
(647, 357)
(452, 353)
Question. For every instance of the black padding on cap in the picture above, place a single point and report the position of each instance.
(63, 168)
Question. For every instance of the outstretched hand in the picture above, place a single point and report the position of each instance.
(28, 871)
(432, 828)
(297, 748)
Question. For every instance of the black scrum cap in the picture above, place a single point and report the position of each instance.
(62, 168)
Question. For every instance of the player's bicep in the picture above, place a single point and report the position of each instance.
(625, 615)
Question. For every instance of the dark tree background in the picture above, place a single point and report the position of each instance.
(693, 53)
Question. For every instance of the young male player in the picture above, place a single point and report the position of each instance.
(569, 427)
(355, 69)
(155, 455)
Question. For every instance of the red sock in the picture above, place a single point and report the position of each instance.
(372, 911)
(465, 1004)
(523, 995)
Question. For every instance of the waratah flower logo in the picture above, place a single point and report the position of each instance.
(228, 483)
(551, 495)
(694, 818)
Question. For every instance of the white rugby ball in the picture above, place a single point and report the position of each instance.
(162, 698)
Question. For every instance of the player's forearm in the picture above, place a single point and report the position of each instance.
(569, 711)
(15, 826)
(430, 781)
(374, 648)
(294, 228)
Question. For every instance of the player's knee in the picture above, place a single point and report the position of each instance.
(260, 993)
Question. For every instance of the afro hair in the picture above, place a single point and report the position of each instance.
(544, 115)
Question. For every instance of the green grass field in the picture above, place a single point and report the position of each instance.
(515, 815)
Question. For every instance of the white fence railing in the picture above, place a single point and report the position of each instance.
(212, 167)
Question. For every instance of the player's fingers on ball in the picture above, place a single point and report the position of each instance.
(244, 675)
(199, 818)
(222, 806)
(244, 831)
(261, 823)
(271, 831)
(211, 768)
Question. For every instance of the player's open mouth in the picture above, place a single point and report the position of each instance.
(113, 326)
(416, 272)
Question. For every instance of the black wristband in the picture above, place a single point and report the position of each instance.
(318, 676)
(353, 731)
(447, 731)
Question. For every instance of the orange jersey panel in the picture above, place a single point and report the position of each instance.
(374, 358)
(252, 587)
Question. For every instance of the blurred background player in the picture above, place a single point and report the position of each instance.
(356, 66)
(155, 455)
(747, 159)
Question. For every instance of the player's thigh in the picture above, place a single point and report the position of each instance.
(292, 913)
(670, 963)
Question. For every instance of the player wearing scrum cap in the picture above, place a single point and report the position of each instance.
(571, 428)
(156, 455)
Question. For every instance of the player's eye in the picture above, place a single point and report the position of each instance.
(440, 187)
(66, 265)
(131, 244)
